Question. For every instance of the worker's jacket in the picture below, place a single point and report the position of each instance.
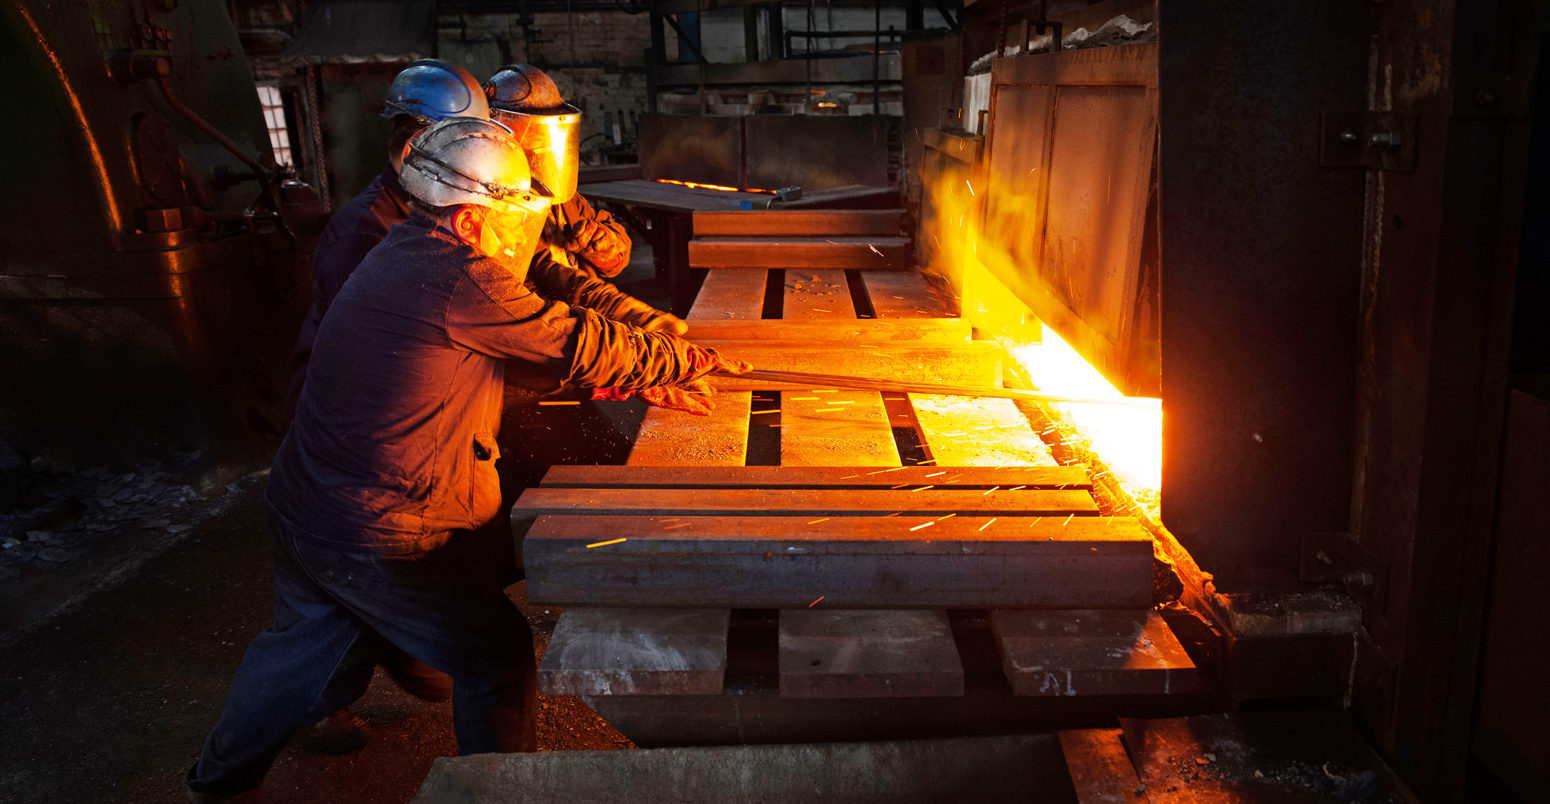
(587, 239)
(393, 440)
(358, 226)
(558, 281)
(353, 231)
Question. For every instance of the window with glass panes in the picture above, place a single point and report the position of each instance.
(274, 119)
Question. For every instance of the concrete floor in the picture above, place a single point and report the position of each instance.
(111, 701)
(116, 651)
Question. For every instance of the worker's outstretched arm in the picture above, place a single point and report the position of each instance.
(493, 313)
(560, 282)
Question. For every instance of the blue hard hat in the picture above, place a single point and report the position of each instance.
(432, 89)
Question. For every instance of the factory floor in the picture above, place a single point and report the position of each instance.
(127, 597)
(111, 701)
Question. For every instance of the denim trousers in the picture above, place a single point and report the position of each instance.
(444, 605)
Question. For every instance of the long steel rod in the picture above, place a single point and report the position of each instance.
(944, 389)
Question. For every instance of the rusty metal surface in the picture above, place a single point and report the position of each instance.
(705, 150)
(1069, 178)
(1261, 251)
(1435, 338)
(767, 151)
(139, 308)
(817, 152)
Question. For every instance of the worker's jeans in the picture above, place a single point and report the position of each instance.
(444, 606)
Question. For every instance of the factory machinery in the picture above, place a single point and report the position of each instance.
(155, 255)
(1314, 276)
(1296, 226)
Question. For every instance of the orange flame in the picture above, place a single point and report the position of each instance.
(1128, 438)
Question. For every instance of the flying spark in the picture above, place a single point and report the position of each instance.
(604, 544)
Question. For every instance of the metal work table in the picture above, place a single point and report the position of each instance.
(669, 209)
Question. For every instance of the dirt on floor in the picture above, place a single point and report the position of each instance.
(107, 693)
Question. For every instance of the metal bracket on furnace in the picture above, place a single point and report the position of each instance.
(1340, 558)
(1377, 140)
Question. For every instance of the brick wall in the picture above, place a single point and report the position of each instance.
(596, 57)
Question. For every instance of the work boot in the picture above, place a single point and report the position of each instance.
(341, 733)
(417, 678)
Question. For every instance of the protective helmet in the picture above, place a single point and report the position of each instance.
(525, 88)
(466, 160)
(432, 89)
(525, 100)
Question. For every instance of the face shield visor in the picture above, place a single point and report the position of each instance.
(512, 227)
(552, 144)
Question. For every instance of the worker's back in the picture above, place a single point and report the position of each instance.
(394, 435)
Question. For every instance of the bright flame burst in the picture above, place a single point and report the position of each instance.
(1128, 438)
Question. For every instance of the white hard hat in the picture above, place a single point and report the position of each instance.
(467, 160)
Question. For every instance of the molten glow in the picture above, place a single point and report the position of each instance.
(1128, 439)
(1125, 437)
(721, 187)
(104, 184)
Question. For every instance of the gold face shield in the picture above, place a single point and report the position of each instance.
(552, 144)
(511, 231)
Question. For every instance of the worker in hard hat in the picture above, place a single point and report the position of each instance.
(388, 467)
(526, 100)
(426, 91)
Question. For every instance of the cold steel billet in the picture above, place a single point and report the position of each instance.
(944, 389)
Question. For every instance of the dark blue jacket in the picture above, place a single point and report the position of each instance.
(393, 439)
(355, 229)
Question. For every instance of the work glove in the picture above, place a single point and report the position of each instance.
(704, 361)
(598, 245)
(558, 234)
(692, 397)
(635, 312)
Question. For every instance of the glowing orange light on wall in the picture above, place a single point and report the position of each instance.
(104, 185)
